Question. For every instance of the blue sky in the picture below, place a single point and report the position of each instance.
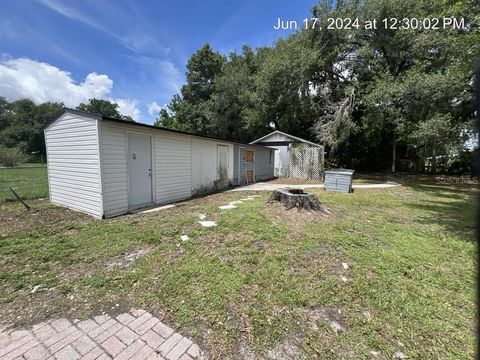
(132, 52)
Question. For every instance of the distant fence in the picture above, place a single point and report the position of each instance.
(306, 163)
(30, 182)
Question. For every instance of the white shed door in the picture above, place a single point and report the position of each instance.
(222, 166)
(140, 170)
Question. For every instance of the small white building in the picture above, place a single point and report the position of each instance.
(106, 167)
(285, 144)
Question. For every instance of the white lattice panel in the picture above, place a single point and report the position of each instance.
(306, 163)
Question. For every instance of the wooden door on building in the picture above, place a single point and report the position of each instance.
(249, 176)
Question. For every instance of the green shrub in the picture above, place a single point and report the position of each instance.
(12, 156)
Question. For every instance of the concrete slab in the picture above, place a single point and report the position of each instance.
(158, 208)
(275, 186)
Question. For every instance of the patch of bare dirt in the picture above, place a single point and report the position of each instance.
(333, 317)
(341, 270)
(289, 349)
(279, 211)
(42, 216)
(293, 345)
(43, 305)
(308, 320)
(74, 271)
(295, 218)
(217, 198)
(126, 260)
(71, 231)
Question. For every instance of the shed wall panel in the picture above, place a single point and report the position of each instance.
(264, 164)
(204, 164)
(73, 163)
(235, 164)
(281, 154)
(173, 167)
(114, 169)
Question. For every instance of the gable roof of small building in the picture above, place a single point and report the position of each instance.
(295, 138)
(130, 123)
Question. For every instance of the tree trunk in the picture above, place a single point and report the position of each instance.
(394, 155)
(297, 198)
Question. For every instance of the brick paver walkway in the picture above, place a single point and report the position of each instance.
(133, 335)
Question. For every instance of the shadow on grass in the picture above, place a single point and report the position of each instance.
(452, 207)
(457, 192)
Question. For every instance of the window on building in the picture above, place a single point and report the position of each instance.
(249, 155)
(271, 156)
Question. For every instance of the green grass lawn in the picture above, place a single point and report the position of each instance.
(29, 182)
(265, 281)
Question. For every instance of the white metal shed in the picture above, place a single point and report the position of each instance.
(106, 167)
(285, 144)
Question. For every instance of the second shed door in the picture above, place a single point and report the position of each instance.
(140, 170)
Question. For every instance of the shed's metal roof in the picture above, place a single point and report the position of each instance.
(340, 171)
(152, 127)
(287, 135)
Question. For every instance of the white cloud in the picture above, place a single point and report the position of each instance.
(74, 14)
(173, 76)
(128, 107)
(133, 39)
(161, 72)
(41, 82)
(154, 108)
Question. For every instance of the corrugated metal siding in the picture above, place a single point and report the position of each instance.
(264, 164)
(114, 169)
(73, 164)
(235, 164)
(335, 181)
(173, 167)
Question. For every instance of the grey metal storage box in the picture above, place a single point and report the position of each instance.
(338, 180)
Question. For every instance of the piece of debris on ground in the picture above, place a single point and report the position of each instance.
(227, 207)
(207, 223)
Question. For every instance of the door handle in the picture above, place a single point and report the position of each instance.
(149, 172)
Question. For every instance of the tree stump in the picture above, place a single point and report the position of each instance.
(297, 198)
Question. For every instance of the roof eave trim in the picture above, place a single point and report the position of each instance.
(65, 110)
(287, 135)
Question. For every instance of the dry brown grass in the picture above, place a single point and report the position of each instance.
(292, 181)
